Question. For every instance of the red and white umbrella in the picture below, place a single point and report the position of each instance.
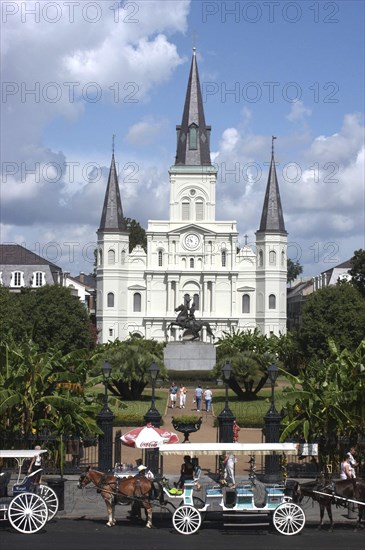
(148, 437)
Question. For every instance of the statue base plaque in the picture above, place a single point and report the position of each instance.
(187, 355)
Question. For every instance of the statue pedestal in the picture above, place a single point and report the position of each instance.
(183, 356)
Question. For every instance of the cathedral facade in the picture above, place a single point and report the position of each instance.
(191, 255)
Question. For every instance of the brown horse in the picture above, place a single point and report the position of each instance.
(351, 489)
(114, 490)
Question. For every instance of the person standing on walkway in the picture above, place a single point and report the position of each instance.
(182, 396)
(208, 399)
(173, 394)
(229, 463)
(346, 471)
(236, 429)
(352, 461)
(198, 397)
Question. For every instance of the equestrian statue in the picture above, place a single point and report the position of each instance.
(186, 320)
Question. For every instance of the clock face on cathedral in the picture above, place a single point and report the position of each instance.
(191, 241)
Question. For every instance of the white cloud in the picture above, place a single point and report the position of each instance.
(145, 132)
(298, 111)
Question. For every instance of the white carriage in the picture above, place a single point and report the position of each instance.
(287, 517)
(30, 505)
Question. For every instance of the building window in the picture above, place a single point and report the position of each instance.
(111, 257)
(100, 257)
(137, 302)
(160, 258)
(272, 257)
(38, 278)
(185, 213)
(186, 299)
(122, 257)
(111, 332)
(110, 300)
(17, 278)
(224, 258)
(261, 258)
(192, 263)
(193, 135)
(196, 301)
(283, 258)
(245, 303)
(199, 211)
(272, 301)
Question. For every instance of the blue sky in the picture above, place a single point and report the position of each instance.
(292, 69)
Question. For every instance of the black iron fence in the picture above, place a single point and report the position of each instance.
(78, 452)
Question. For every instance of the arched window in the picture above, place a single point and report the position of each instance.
(17, 278)
(283, 258)
(272, 301)
(272, 257)
(160, 258)
(100, 257)
(192, 263)
(185, 210)
(196, 301)
(39, 278)
(110, 300)
(122, 257)
(137, 302)
(186, 299)
(261, 258)
(193, 137)
(111, 257)
(224, 258)
(246, 303)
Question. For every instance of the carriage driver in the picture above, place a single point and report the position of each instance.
(135, 512)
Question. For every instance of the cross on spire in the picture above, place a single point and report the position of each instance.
(246, 238)
(272, 144)
(113, 139)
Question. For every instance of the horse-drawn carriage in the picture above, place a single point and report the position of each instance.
(30, 505)
(241, 502)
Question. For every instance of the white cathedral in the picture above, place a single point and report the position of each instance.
(191, 255)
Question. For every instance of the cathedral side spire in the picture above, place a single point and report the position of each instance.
(193, 135)
(272, 218)
(112, 214)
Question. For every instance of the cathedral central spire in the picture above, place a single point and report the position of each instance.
(272, 218)
(112, 214)
(193, 135)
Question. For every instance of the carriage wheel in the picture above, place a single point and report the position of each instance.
(51, 499)
(28, 513)
(186, 520)
(288, 518)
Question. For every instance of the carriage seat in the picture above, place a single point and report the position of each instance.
(245, 497)
(27, 485)
(274, 496)
(4, 482)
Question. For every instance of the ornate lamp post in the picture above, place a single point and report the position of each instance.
(153, 416)
(226, 417)
(272, 429)
(105, 423)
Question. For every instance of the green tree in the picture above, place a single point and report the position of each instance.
(137, 235)
(337, 312)
(294, 270)
(357, 271)
(55, 318)
(326, 401)
(130, 361)
(250, 353)
(12, 318)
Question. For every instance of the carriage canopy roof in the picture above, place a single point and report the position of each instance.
(196, 449)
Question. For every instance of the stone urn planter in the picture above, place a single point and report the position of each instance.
(187, 426)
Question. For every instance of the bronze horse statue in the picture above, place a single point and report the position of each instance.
(187, 321)
(352, 489)
(137, 489)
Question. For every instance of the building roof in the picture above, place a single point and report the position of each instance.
(272, 218)
(112, 214)
(193, 117)
(15, 254)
